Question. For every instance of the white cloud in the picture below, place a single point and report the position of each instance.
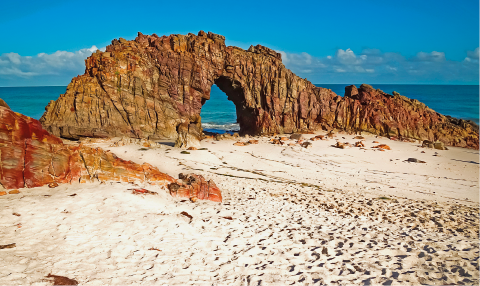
(14, 58)
(308, 58)
(346, 57)
(61, 62)
(300, 59)
(15, 72)
(372, 65)
(473, 54)
(430, 57)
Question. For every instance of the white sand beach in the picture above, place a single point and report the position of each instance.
(290, 216)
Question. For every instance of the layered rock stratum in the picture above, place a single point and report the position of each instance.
(32, 157)
(154, 87)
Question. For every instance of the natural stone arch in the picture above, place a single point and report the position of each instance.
(155, 87)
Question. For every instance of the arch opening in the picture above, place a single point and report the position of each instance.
(219, 113)
(235, 93)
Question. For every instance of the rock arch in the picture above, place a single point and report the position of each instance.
(155, 87)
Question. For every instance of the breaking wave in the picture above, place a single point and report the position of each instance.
(224, 127)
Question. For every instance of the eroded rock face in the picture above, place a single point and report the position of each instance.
(31, 157)
(154, 87)
(372, 110)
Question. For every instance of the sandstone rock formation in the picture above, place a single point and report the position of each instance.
(31, 157)
(195, 187)
(374, 111)
(154, 87)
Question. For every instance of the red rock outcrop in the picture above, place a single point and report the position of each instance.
(155, 87)
(29, 154)
(374, 111)
(195, 187)
(31, 157)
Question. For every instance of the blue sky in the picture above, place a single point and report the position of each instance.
(433, 42)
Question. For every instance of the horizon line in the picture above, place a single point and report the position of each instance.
(313, 84)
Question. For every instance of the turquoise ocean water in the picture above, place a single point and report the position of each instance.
(218, 114)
